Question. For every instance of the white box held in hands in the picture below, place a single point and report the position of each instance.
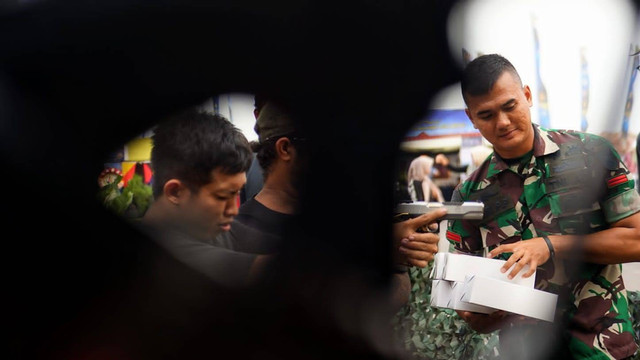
(487, 291)
(448, 294)
(455, 267)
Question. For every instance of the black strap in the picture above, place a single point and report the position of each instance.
(552, 252)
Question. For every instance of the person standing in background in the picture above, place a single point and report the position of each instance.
(478, 154)
(283, 152)
(254, 174)
(282, 158)
(419, 183)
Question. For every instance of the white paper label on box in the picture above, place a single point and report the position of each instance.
(502, 295)
(448, 294)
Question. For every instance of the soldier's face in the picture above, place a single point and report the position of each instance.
(502, 116)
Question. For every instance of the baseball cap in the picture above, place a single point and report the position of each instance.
(273, 121)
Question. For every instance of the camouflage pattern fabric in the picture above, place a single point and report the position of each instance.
(570, 183)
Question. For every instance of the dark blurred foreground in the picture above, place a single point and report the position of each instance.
(78, 78)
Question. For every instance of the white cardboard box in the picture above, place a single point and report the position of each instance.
(448, 294)
(498, 294)
(455, 267)
(441, 293)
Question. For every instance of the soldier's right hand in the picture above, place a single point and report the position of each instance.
(485, 323)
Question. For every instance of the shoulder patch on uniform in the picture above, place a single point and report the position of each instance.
(617, 180)
(453, 236)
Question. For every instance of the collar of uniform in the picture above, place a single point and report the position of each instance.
(542, 145)
(542, 142)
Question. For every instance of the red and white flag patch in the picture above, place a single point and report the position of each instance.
(453, 236)
(615, 181)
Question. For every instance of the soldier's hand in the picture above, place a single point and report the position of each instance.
(533, 252)
(415, 248)
(485, 323)
(516, 319)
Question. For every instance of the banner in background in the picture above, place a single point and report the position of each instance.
(584, 68)
(440, 123)
(543, 106)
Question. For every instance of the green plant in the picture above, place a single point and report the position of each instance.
(132, 201)
(141, 196)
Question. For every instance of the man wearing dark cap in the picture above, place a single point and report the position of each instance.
(284, 155)
(254, 174)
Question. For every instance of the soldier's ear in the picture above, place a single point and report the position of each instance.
(527, 94)
(466, 111)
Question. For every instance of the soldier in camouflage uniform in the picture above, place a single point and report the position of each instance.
(562, 202)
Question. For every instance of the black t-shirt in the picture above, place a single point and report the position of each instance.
(257, 230)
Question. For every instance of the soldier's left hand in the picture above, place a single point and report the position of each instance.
(533, 252)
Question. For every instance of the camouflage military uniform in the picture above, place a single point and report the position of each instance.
(570, 183)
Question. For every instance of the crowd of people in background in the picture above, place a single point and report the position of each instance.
(425, 171)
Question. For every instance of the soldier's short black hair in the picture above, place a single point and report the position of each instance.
(479, 76)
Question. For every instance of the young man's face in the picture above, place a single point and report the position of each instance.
(211, 210)
(502, 116)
